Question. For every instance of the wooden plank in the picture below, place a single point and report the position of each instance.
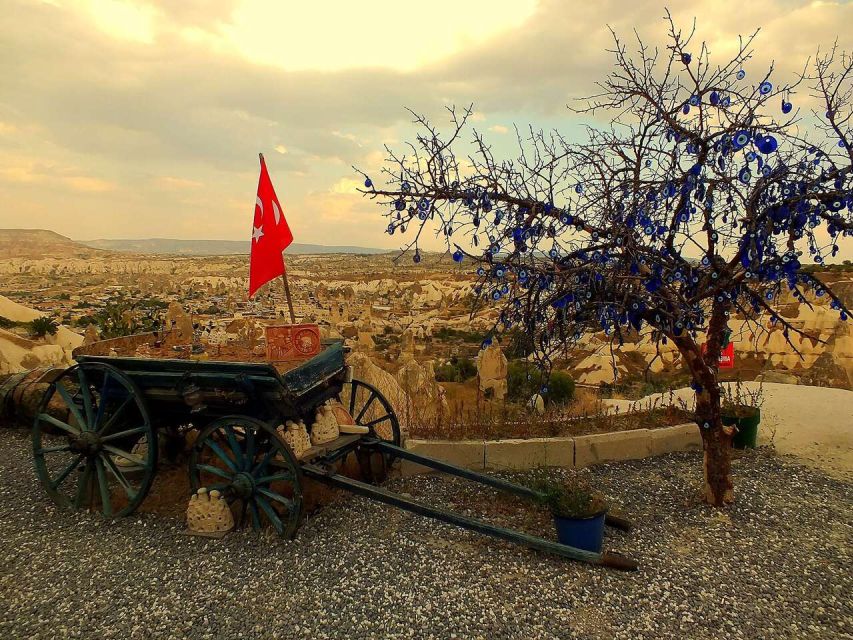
(324, 449)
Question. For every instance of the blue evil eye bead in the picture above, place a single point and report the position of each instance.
(765, 87)
(496, 295)
(686, 58)
(481, 272)
(400, 204)
(417, 257)
(423, 205)
(500, 272)
(406, 186)
(741, 139)
(390, 229)
(486, 343)
(765, 170)
(694, 101)
(767, 144)
(457, 256)
(368, 183)
(648, 163)
(750, 157)
(553, 253)
(685, 109)
(725, 101)
(786, 106)
(578, 188)
(715, 98)
(741, 74)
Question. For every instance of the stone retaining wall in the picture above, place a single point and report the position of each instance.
(577, 452)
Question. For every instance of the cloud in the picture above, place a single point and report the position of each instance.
(156, 110)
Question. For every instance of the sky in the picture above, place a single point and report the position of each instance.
(139, 119)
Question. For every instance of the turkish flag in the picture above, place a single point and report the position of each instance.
(270, 235)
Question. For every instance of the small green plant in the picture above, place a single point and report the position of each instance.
(569, 499)
(40, 327)
(740, 401)
(5, 323)
(457, 370)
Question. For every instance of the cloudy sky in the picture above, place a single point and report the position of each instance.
(134, 119)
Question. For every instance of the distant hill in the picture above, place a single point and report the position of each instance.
(40, 243)
(172, 246)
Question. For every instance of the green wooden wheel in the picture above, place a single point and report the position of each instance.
(369, 408)
(254, 469)
(102, 453)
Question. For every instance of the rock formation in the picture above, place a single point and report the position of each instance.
(492, 371)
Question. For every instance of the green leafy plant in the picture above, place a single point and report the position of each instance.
(41, 327)
(569, 499)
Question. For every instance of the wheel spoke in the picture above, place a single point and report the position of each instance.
(264, 461)
(235, 446)
(214, 470)
(279, 477)
(377, 421)
(272, 495)
(106, 504)
(72, 407)
(365, 407)
(61, 477)
(83, 485)
(352, 394)
(119, 476)
(124, 454)
(222, 455)
(271, 514)
(65, 447)
(123, 434)
(250, 447)
(112, 419)
(256, 517)
(102, 405)
(59, 424)
(243, 512)
(86, 394)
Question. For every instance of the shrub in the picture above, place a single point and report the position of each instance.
(5, 323)
(524, 380)
(457, 370)
(41, 327)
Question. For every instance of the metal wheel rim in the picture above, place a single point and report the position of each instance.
(108, 473)
(257, 458)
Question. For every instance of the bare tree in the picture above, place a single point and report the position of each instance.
(698, 200)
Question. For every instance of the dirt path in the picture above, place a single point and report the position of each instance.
(813, 423)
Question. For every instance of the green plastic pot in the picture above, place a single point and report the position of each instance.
(746, 426)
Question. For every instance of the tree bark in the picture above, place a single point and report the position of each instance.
(718, 488)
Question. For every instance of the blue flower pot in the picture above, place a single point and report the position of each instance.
(581, 533)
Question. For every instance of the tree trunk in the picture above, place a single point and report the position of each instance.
(716, 438)
(717, 443)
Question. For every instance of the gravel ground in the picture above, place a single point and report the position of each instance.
(776, 565)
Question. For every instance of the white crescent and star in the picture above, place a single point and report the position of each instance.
(257, 233)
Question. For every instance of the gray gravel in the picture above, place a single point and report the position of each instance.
(776, 565)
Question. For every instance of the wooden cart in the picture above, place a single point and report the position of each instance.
(101, 452)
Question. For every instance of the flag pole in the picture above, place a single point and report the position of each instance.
(287, 295)
(284, 277)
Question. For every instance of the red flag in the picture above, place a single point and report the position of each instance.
(270, 235)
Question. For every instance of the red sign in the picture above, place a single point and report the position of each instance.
(727, 355)
(292, 342)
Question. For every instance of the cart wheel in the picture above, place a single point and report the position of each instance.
(369, 408)
(254, 469)
(103, 455)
